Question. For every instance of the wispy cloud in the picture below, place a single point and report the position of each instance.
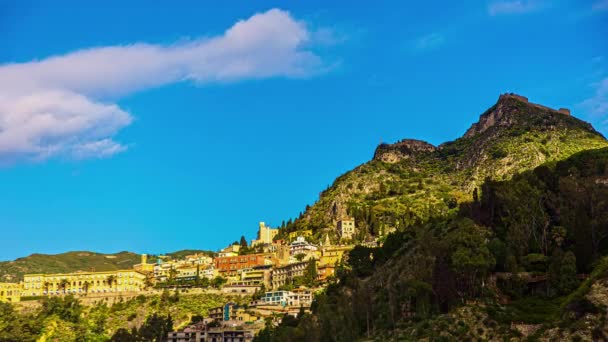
(427, 42)
(63, 105)
(597, 105)
(513, 7)
(600, 5)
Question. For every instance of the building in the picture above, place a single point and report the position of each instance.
(295, 298)
(210, 272)
(265, 235)
(232, 250)
(83, 283)
(301, 297)
(226, 312)
(144, 267)
(230, 336)
(331, 256)
(187, 273)
(10, 292)
(231, 264)
(258, 275)
(163, 271)
(284, 275)
(238, 288)
(301, 246)
(192, 333)
(346, 228)
(275, 298)
(199, 259)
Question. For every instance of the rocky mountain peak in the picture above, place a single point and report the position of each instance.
(502, 113)
(406, 148)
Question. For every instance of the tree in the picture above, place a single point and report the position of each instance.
(554, 270)
(85, 286)
(218, 281)
(300, 256)
(243, 242)
(63, 284)
(360, 259)
(123, 335)
(471, 258)
(567, 276)
(172, 274)
(310, 274)
(155, 328)
(110, 280)
(67, 308)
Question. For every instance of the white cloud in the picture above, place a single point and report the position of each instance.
(427, 42)
(513, 7)
(597, 105)
(600, 5)
(62, 105)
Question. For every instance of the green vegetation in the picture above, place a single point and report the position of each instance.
(145, 318)
(430, 184)
(527, 196)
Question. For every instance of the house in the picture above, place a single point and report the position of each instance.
(285, 274)
(346, 228)
(192, 333)
(231, 264)
(301, 246)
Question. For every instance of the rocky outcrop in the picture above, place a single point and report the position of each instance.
(406, 148)
(499, 114)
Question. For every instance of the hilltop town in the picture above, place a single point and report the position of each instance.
(278, 272)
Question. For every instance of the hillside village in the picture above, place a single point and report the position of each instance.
(280, 272)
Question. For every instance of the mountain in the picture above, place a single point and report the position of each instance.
(411, 180)
(494, 236)
(75, 261)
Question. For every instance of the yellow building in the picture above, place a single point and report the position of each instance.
(332, 255)
(187, 272)
(265, 235)
(83, 283)
(144, 266)
(10, 292)
(232, 250)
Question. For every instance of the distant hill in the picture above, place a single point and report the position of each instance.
(75, 261)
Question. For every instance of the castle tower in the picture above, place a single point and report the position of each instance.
(144, 259)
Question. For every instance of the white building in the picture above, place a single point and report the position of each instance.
(301, 246)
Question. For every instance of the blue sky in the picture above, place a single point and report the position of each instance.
(152, 126)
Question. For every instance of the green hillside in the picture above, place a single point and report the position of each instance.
(412, 181)
(523, 194)
(75, 261)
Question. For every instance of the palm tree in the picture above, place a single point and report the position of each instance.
(172, 274)
(110, 279)
(63, 284)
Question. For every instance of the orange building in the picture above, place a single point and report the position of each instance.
(231, 264)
